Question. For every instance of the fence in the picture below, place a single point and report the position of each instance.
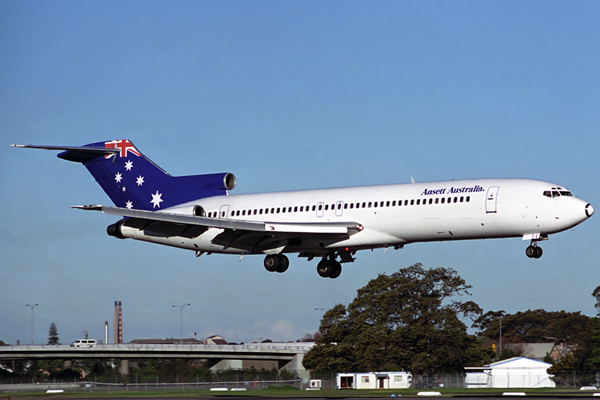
(442, 381)
(85, 386)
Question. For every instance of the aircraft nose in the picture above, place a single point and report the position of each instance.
(589, 210)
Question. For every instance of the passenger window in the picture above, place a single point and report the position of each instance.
(443, 200)
(255, 211)
(412, 202)
(370, 204)
(418, 201)
(406, 202)
(462, 199)
(430, 201)
(278, 209)
(375, 204)
(283, 210)
(326, 207)
(320, 207)
(468, 199)
(364, 205)
(456, 199)
(437, 200)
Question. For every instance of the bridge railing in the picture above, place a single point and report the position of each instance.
(291, 347)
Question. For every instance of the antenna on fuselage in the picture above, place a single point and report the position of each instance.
(412, 180)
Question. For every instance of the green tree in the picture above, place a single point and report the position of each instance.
(53, 335)
(533, 326)
(583, 365)
(596, 294)
(408, 320)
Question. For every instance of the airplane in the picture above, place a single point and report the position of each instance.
(197, 212)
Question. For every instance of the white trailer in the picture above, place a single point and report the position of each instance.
(374, 380)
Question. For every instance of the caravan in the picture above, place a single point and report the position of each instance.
(374, 380)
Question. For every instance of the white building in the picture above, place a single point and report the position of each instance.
(516, 372)
(374, 380)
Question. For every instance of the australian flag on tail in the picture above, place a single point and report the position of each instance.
(133, 181)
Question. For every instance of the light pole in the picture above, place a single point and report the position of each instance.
(32, 307)
(500, 352)
(181, 320)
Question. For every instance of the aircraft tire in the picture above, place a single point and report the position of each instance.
(273, 262)
(329, 269)
(336, 269)
(284, 263)
(530, 251)
(538, 252)
(323, 268)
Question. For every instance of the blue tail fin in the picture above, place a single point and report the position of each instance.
(133, 181)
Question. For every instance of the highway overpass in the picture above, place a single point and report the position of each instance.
(286, 356)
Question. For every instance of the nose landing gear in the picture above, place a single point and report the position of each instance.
(533, 251)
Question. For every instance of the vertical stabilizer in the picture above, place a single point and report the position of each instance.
(133, 181)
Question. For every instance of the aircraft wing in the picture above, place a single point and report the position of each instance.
(236, 233)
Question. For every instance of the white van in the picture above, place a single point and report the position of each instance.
(84, 343)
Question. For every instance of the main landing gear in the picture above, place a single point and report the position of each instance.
(328, 267)
(277, 263)
(533, 251)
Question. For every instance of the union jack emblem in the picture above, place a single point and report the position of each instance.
(123, 145)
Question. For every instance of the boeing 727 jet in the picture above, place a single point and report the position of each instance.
(197, 212)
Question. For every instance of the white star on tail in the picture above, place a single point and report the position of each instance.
(118, 177)
(156, 200)
(129, 165)
(129, 205)
(140, 180)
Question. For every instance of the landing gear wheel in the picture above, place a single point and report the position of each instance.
(285, 263)
(529, 251)
(276, 263)
(533, 252)
(272, 262)
(329, 269)
(337, 270)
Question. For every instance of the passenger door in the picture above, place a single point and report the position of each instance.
(491, 199)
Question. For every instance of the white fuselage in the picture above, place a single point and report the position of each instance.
(394, 215)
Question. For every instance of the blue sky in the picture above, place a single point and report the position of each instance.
(286, 95)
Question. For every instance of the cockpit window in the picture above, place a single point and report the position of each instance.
(557, 192)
